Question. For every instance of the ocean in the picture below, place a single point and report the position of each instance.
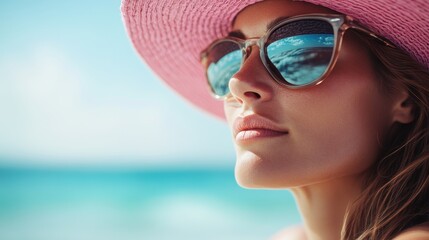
(149, 204)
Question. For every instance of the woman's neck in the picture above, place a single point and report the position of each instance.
(323, 206)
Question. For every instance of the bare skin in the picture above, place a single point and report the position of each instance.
(327, 133)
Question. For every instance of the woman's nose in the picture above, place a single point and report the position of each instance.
(252, 83)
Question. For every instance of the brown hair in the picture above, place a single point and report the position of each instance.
(396, 191)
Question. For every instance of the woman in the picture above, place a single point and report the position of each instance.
(328, 99)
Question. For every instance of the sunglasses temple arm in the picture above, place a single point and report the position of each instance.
(353, 25)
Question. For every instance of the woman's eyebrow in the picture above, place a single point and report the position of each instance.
(240, 34)
(276, 21)
(237, 34)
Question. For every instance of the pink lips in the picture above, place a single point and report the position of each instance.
(253, 127)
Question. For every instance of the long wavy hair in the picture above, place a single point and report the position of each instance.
(396, 190)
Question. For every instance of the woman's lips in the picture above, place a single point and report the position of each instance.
(253, 127)
(256, 133)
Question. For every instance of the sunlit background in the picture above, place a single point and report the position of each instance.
(93, 146)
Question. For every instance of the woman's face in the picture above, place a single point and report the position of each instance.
(296, 137)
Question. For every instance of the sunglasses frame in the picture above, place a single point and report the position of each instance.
(340, 24)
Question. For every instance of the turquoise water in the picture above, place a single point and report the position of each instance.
(43, 204)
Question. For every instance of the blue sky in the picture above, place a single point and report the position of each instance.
(74, 93)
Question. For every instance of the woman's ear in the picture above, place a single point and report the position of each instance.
(403, 107)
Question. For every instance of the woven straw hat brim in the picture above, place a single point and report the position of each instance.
(170, 34)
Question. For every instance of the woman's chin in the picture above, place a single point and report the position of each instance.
(248, 171)
(256, 180)
(255, 173)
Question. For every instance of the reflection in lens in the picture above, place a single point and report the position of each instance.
(219, 73)
(301, 59)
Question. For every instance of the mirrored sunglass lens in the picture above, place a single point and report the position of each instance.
(301, 51)
(224, 60)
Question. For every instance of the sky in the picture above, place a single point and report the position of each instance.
(73, 92)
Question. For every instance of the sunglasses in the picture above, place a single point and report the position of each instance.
(297, 52)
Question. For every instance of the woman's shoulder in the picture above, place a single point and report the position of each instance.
(418, 232)
(290, 233)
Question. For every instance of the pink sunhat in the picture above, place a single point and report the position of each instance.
(170, 34)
